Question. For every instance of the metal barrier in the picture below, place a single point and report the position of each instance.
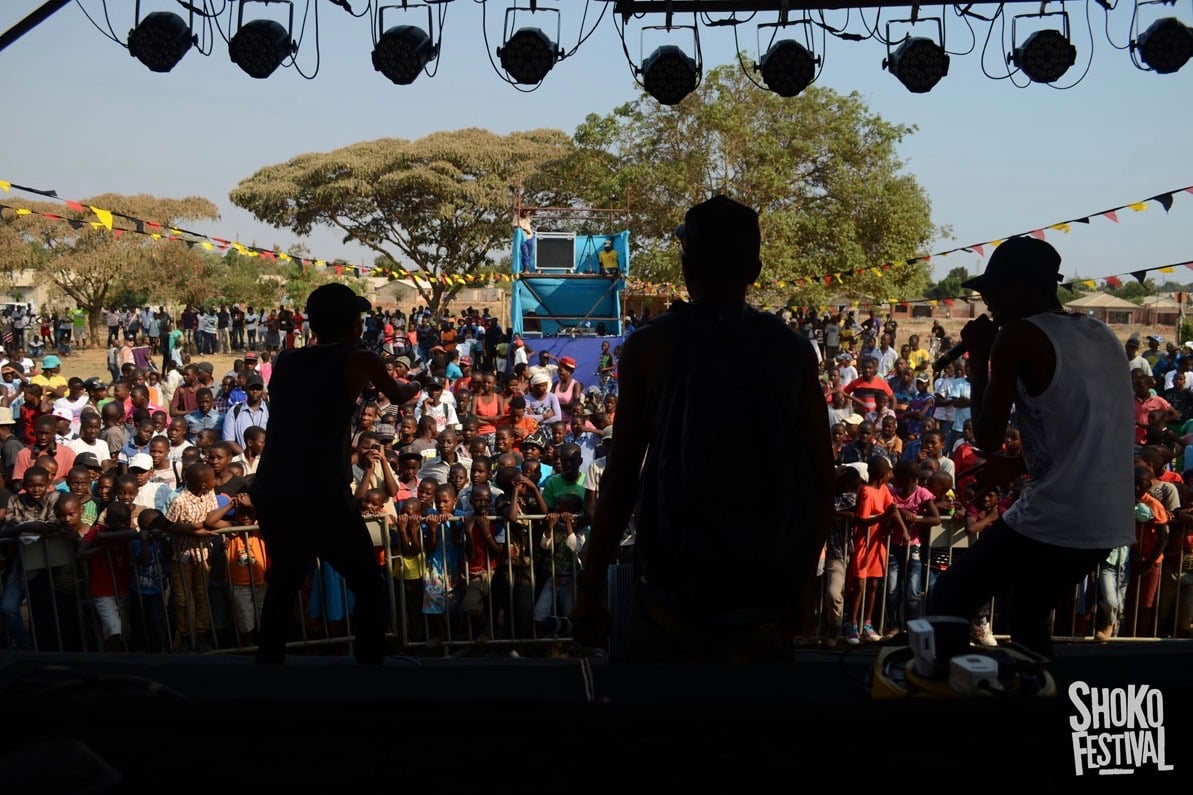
(516, 599)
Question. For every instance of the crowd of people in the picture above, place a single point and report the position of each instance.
(483, 485)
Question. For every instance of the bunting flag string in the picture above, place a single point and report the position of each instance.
(106, 219)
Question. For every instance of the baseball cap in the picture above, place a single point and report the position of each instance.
(853, 419)
(1018, 261)
(465, 361)
(537, 439)
(93, 383)
(540, 378)
(206, 367)
(254, 380)
(141, 461)
(924, 377)
(568, 362)
(50, 361)
(332, 305)
(519, 344)
(251, 356)
(90, 461)
(403, 360)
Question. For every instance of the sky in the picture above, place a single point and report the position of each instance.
(84, 118)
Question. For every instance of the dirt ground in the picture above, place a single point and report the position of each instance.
(94, 362)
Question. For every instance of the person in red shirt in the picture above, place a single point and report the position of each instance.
(864, 389)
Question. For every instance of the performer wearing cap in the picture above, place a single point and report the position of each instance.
(1051, 365)
(302, 487)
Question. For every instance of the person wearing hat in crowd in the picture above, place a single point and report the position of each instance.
(568, 391)
(12, 378)
(301, 490)
(10, 443)
(150, 493)
(97, 393)
(50, 378)
(1077, 504)
(544, 366)
(1135, 360)
(253, 411)
(71, 404)
(437, 403)
(654, 473)
(1153, 354)
(541, 404)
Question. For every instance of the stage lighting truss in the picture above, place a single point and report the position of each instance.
(1165, 46)
(788, 67)
(160, 39)
(403, 51)
(259, 47)
(1046, 54)
(528, 54)
(919, 63)
(669, 74)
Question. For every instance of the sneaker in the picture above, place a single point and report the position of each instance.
(982, 635)
(851, 635)
(869, 634)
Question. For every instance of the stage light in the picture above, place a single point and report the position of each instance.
(1045, 56)
(259, 47)
(919, 64)
(160, 40)
(788, 68)
(528, 55)
(1166, 45)
(669, 74)
(402, 52)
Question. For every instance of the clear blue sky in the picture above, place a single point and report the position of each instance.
(83, 117)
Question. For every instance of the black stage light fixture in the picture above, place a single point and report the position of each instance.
(669, 74)
(788, 68)
(528, 56)
(260, 47)
(1045, 56)
(160, 40)
(1165, 46)
(402, 52)
(919, 64)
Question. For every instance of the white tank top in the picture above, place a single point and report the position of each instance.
(1078, 441)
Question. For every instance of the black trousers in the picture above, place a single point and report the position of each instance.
(336, 534)
(1034, 578)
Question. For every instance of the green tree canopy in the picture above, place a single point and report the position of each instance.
(821, 169)
(950, 285)
(88, 265)
(441, 203)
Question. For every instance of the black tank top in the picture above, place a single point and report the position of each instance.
(306, 455)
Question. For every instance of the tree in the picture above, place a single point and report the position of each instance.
(950, 285)
(821, 169)
(84, 262)
(440, 204)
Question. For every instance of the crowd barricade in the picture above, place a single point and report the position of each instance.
(519, 598)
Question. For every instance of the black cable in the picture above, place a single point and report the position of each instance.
(586, 36)
(986, 47)
(344, 4)
(298, 44)
(1106, 16)
(438, 44)
(484, 4)
(634, 70)
(746, 70)
(973, 36)
(108, 19)
(111, 36)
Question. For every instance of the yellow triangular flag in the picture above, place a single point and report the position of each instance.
(1138, 206)
(1167, 270)
(320, 263)
(1061, 227)
(876, 271)
(1090, 283)
(4, 186)
(240, 249)
(995, 243)
(932, 302)
(155, 236)
(207, 245)
(104, 216)
(284, 257)
(23, 211)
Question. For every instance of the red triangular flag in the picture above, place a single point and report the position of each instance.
(980, 249)
(75, 206)
(1114, 281)
(1037, 233)
(1112, 215)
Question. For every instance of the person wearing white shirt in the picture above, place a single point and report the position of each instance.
(88, 440)
(252, 320)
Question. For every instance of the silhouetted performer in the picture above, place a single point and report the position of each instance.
(302, 487)
(1074, 410)
(720, 569)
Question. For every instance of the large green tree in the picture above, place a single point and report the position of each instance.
(822, 170)
(440, 205)
(88, 265)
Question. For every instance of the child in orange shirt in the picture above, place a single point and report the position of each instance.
(1147, 555)
(247, 561)
(875, 518)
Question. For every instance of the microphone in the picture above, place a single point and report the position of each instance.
(951, 355)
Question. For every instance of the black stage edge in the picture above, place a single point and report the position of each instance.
(91, 723)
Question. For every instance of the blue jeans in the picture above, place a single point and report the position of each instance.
(904, 585)
(10, 609)
(1112, 592)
